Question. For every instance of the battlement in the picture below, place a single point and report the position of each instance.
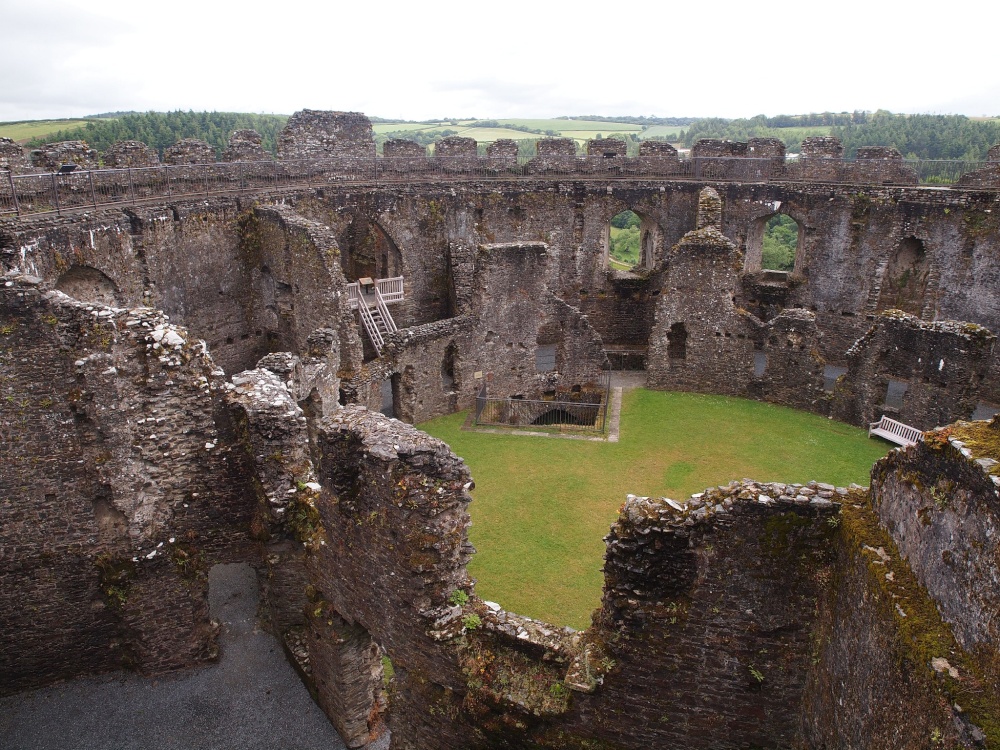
(337, 147)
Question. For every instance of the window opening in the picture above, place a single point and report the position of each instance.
(386, 391)
(985, 411)
(894, 394)
(624, 241)
(677, 341)
(545, 358)
(830, 375)
(759, 364)
(780, 243)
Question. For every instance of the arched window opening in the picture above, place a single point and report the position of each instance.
(87, 284)
(904, 282)
(627, 241)
(780, 243)
(367, 251)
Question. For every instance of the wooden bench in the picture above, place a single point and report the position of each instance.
(895, 432)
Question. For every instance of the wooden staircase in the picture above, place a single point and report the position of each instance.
(371, 298)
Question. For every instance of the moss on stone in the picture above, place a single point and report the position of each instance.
(116, 576)
(923, 635)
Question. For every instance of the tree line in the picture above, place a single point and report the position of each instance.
(162, 129)
(914, 136)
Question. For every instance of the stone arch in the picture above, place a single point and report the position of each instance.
(87, 284)
(777, 222)
(903, 285)
(368, 250)
(648, 235)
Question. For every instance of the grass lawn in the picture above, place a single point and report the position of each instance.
(542, 505)
(24, 131)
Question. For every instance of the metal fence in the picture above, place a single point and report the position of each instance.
(589, 414)
(84, 190)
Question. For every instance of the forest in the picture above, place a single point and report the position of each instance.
(162, 129)
(914, 136)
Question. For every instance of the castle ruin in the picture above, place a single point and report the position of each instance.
(186, 379)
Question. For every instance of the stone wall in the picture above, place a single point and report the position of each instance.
(939, 501)
(12, 157)
(874, 682)
(189, 151)
(314, 134)
(245, 145)
(52, 156)
(121, 487)
(130, 154)
(927, 251)
(924, 374)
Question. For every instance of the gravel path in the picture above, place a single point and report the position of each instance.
(250, 699)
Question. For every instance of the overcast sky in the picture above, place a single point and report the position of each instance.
(418, 60)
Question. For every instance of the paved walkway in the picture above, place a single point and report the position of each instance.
(250, 699)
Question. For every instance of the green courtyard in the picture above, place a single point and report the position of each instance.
(542, 505)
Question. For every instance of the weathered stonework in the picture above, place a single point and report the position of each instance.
(189, 151)
(12, 157)
(130, 154)
(112, 501)
(920, 373)
(751, 615)
(245, 145)
(312, 134)
(52, 156)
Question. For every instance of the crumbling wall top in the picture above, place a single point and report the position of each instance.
(822, 147)
(606, 147)
(189, 151)
(245, 145)
(12, 156)
(660, 149)
(713, 147)
(51, 156)
(130, 154)
(317, 134)
(398, 148)
(504, 149)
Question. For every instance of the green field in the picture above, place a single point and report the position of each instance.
(670, 132)
(580, 130)
(542, 505)
(24, 131)
(568, 127)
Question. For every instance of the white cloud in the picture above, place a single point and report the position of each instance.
(66, 58)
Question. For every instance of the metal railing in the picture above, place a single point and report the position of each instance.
(589, 414)
(85, 190)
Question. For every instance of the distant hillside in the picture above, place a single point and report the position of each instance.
(915, 136)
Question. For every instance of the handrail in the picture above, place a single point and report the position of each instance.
(391, 289)
(390, 324)
(354, 294)
(372, 328)
(86, 190)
